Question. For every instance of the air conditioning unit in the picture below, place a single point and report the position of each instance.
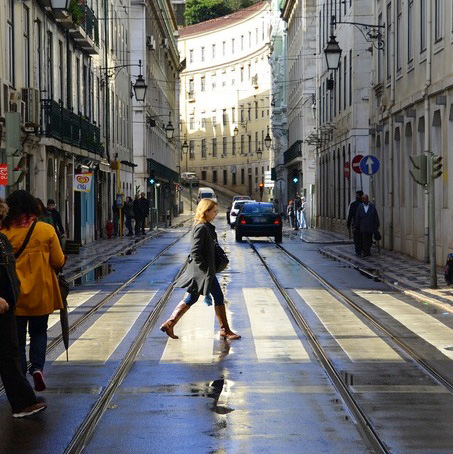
(164, 43)
(14, 101)
(150, 42)
(31, 98)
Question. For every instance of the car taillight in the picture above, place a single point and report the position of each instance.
(242, 220)
(278, 220)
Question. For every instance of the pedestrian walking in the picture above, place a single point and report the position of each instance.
(303, 218)
(291, 213)
(129, 213)
(200, 275)
(351, 222)
(297, 208)
(141, 212)
(52, 209)
(20, 394)
(38, 257)
(367, 220)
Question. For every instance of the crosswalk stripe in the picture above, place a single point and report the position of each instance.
(423, 325)
(99, 341)
(273, 333)
(358, 341)
(75, 299)
(196, 337)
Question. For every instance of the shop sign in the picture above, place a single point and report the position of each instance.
(82, 182)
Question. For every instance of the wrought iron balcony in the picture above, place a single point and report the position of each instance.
(64, 125)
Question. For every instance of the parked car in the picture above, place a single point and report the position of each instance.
(189, 177)
(237, 205)
(236, 197)
(258, 219)
(206, 193)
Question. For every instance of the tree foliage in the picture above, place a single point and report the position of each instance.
(203, 10)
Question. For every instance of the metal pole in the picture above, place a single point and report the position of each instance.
(190, 183)
(432, 225)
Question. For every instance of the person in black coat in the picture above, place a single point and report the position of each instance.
(200, 275)
(367, 220)
(141, 212)
(52, 209)
(351, 221)
(18, 390)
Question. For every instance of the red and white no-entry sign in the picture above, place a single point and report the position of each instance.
(356, 163)
(347, 169)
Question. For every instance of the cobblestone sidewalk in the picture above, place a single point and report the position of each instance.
(398, 270)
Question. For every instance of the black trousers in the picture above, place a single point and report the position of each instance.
(18, 390)
(357, 240)
(367, 241)
(140, 224)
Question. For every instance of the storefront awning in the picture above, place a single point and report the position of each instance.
(161, 172)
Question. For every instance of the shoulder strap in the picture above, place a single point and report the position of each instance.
(27, 239)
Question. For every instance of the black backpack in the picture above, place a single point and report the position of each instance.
(8, 263)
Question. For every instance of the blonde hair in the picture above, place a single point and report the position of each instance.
(3, 209)
(204, 205)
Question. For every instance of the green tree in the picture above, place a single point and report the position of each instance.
(203, 10)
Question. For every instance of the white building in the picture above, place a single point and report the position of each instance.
(411, 114)
(297, 161)
(50, 72)
(153, 42)
(225, 99)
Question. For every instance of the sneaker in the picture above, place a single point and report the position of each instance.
(38, 379)
(31, 410)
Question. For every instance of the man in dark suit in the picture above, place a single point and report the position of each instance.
(367, 220)
(351, 221)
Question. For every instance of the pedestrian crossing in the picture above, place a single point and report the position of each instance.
(356, 339)
(196, 337)
(419, 322)
(272, 331)
(98, 342)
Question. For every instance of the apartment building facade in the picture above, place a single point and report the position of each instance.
(225, 99)
(153, 38)
(53, 71)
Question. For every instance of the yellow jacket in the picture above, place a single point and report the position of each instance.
(39, 290)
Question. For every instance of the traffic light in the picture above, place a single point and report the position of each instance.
(152, 178)
(419, 173)
(261, 185)
(436, 166)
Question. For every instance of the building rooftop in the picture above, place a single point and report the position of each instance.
(219, 22)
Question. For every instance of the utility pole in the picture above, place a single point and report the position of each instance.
(428, 167)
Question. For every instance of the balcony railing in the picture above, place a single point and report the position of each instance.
(90, 24)
(293, 152)
(70, 128)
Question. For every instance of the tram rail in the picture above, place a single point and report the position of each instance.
(363, 423)
(79, 321)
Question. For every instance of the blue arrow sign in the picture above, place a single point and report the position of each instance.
(369, 165)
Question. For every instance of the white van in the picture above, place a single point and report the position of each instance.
(206, 193)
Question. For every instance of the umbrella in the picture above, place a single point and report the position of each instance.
(64, 290)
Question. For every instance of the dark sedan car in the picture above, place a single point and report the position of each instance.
(258, 219)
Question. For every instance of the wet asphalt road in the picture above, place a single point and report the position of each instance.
(264, 393)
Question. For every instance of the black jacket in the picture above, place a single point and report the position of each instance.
(367, 222)
(57, 222)
(200, 271)
(9, 282)
(352, 211)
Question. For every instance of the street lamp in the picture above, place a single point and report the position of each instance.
(140, 88)
(259, 153)
(60, 4)
(236, 131)
(169, 129)
(185, 146)
(267, 139)
(333, 54)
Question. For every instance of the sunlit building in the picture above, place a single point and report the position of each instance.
(224, 100)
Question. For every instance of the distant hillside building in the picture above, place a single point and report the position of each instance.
(225, 99)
